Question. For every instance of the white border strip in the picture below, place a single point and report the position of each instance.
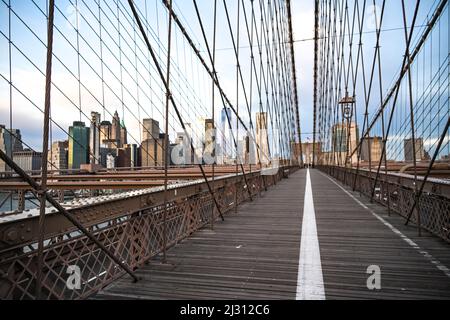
(309, 279)
(424, 253)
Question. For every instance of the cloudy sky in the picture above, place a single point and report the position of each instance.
(134, 89)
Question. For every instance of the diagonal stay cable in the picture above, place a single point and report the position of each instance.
(393, 91)
(222, 97)
(425, 179)
(208, 70)
(163, 79)
(64, 212)
(45, 136)
(407, 65)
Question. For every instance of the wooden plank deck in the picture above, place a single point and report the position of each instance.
(254, 254)
(351, 239)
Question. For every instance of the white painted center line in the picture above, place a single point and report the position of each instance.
(309, 279)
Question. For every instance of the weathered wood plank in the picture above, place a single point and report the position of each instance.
(352, 238)
(254, 253)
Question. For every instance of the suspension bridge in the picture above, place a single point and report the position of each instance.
(154, 149)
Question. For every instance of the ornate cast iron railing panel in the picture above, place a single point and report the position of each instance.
(396, 191)
(135, 235)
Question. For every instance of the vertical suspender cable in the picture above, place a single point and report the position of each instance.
(166, 137)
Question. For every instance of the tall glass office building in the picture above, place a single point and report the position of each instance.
(78, 145)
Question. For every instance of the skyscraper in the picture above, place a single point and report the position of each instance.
(209, 152)
(57, 156)
(28, 160)
(371, 149)
(340, 138)
(129, 157)
(148, 153)
(345, 140)
(161, 150)
(105, 132)
(150, 129)
(94, 139)
(10, 142)
(262, 138)
(181, 152)
(149, 145)
(409, 153)
(115, 129)
(244, 150)
(78, 145)
(226, 134)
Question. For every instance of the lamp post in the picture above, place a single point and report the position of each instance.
(347, 107)
(347, 104)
